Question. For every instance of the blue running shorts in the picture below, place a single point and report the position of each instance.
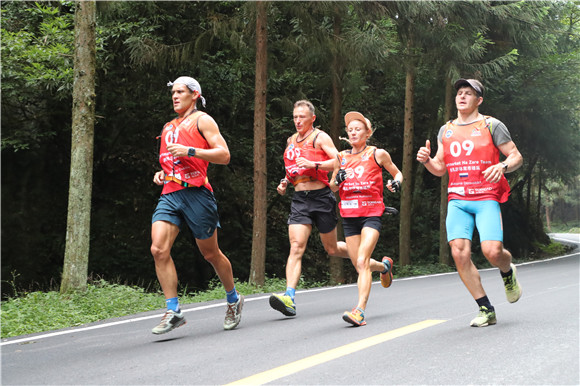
(463, 215)
(196, 207)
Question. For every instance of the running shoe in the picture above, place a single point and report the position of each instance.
(234, 313)
(485, 318)
(171, 320)
(284, 304)
(387, 278)
(356, 317)
(513, 290)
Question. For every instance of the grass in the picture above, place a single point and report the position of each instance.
(32, 312)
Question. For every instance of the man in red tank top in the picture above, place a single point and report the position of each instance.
(468, 149)
(308, 157)
(188, 144)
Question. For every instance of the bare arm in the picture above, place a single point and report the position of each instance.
(435, 165)
(333, 186)
(218, 152)
(159, 177)
(513, 160)
(384, 159)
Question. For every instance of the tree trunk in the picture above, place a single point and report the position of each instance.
(406, 191)
(76, 256)
(444, 255)
(258, 264)
(548, 220)
(336, 263)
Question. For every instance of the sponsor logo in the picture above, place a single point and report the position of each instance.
(169, 127)
(364, 157)
(479, 190)
(371, 203)
(476, 133)
(457, 190)
(192, 175)
(349, 204)
(343, 161)
(448, 133)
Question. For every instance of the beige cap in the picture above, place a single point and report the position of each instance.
(356, 116)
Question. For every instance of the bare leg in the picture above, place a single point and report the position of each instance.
(332, 246)
(461, 252)
(298, 235)
(496, 254)
(340, 249)
(211, 252)
(163, 236)
(362, 247)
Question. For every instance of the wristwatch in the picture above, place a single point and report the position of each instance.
(505, 167)
(191, 152)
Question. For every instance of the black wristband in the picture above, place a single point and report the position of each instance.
(191, 152)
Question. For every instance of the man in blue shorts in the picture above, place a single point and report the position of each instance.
(469, 148)
(188, 144)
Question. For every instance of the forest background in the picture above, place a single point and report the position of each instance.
(393, 61)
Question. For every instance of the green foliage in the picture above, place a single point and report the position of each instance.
(419, 270)
(142, 45)
(31, 312)
(552, 249)
(43, 311)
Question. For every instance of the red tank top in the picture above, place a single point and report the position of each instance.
(188, 169)
(304, 148)
(361, 194)
(469, 150)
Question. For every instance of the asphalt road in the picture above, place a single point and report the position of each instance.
(417, 333)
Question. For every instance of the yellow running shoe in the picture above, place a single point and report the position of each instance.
(486, 317)
(513, 289)
(284, 304)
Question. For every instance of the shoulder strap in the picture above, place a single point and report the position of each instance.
(197, 124)
(375, 158)
(488, 123)
(316, 136)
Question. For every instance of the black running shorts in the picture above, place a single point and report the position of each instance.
(353, 226)
(314, 207)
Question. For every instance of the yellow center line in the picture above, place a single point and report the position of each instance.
(317, 359)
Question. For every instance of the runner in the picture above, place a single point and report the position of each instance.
(358, 176)
(309, 156)
(188, 144)
(468, 149)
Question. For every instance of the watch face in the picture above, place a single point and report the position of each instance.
(191, 151)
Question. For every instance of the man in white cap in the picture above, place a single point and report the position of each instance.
(469, 150)
(188, 144)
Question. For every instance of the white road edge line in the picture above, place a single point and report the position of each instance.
(222, 304)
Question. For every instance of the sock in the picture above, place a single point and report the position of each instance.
(291, 292)
(232, 296)
(387, 264)
(506, 274)
(172, 304)
(484, 302)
